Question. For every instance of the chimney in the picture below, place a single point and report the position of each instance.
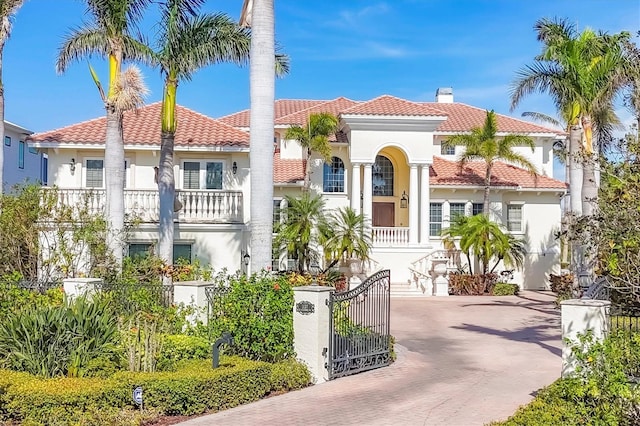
(444, 95)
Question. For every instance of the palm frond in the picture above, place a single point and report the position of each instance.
(130, 90)
(80, 43)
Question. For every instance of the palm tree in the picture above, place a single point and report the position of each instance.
(259, 14)
(8, 9)
(187, 42)
(483, 144)
(110, 35)
(345, 235)
(487, 241)
(298, 233)
(314, 138)
(582, 72)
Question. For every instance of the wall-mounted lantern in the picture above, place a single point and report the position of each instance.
(234, 168)
(72, 166)
(404, 200)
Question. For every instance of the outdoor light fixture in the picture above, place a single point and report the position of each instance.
(246, 258)
(72, 166)
(404, 201)
(234, 168)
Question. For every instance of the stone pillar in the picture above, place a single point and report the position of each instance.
(578, 316)
(414, 204)
(440, 281)
(311, 329)
(192, 293)
(355, 187)
(446, 214)
(424, 204)
(74, 287)
(367, 193)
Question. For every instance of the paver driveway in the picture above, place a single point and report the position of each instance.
(461, 361)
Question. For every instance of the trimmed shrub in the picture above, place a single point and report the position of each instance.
(472, 285)
(194, 388)
(178, 347)
(258, 312)
(504, 289)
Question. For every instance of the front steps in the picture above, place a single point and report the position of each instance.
(404, 289)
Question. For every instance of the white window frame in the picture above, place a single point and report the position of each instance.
(444, 147)
(442, 217)
(519, 204)
(345, 180)
(202, 177)
(127, 173)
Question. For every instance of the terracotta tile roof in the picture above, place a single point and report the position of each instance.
(444, 172)
(282, 107)
(335, 107)
(287, 171)
(142, 127)
(463, 118)
(390, 105)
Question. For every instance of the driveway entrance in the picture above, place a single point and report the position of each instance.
(464, 360)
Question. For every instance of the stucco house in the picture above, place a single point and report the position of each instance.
(22, 163)
(388, 162)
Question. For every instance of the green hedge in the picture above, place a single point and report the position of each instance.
(193, 389)
(503, 289)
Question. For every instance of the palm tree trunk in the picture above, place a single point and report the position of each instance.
(589, 182)
(167, 191)
(487, 189)
(114, 183)
(575, 169)
(262, 87)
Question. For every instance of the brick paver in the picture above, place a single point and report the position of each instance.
(461, 361)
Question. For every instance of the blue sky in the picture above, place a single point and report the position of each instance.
(354, 48)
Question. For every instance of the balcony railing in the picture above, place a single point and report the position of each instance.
(206, 206)
(390, 236)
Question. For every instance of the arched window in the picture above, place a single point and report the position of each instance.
(333, 176)
(382, 179)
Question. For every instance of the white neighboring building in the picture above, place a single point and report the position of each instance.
(22, 163)
(388, 163)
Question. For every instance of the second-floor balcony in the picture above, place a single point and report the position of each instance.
(195, 206)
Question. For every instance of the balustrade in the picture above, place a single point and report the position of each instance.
(390, 236)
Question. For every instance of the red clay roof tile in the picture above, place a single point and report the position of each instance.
(142, 127)
(287, 171)
(390, 105)
(444, 172)
(282, 107)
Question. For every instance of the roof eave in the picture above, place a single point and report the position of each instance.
(502, 188)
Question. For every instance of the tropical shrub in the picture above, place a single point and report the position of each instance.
(505, 289)
(52, 341)
(562, 286)
(178, 347)
(258, 312)
(472, 285)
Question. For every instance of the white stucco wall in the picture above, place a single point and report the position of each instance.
(366, 144)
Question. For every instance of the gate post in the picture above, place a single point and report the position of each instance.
(311, 318)
(578, 317)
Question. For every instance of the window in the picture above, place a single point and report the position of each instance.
(333, 176)
(477, 208)
(382, 176)
(44, 173)
(21, 155)
(446, 149)
(180, 251)
(455, 210)
(194, 174)
(95, 174)
(435, 219)
(514, 217)
(33, 150)
(277, 213)
(7, 140)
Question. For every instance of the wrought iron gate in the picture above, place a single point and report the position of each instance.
(359, 338)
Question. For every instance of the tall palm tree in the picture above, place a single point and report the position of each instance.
(314, 138)
(109, 34)
(8, 9)
(259, 14)
(187, 42)
(484, 144)
(582, 72)
(298, 234)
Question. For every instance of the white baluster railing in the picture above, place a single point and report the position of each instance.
(205, 206)
(390, 236)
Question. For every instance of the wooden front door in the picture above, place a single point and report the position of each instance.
(384, 214)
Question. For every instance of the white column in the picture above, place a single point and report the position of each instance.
(446, 214)
(192, 293)
(367, 190)
(414, 204)
(355, 187)
(311, 329)
(424, 204)
(579, 316)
